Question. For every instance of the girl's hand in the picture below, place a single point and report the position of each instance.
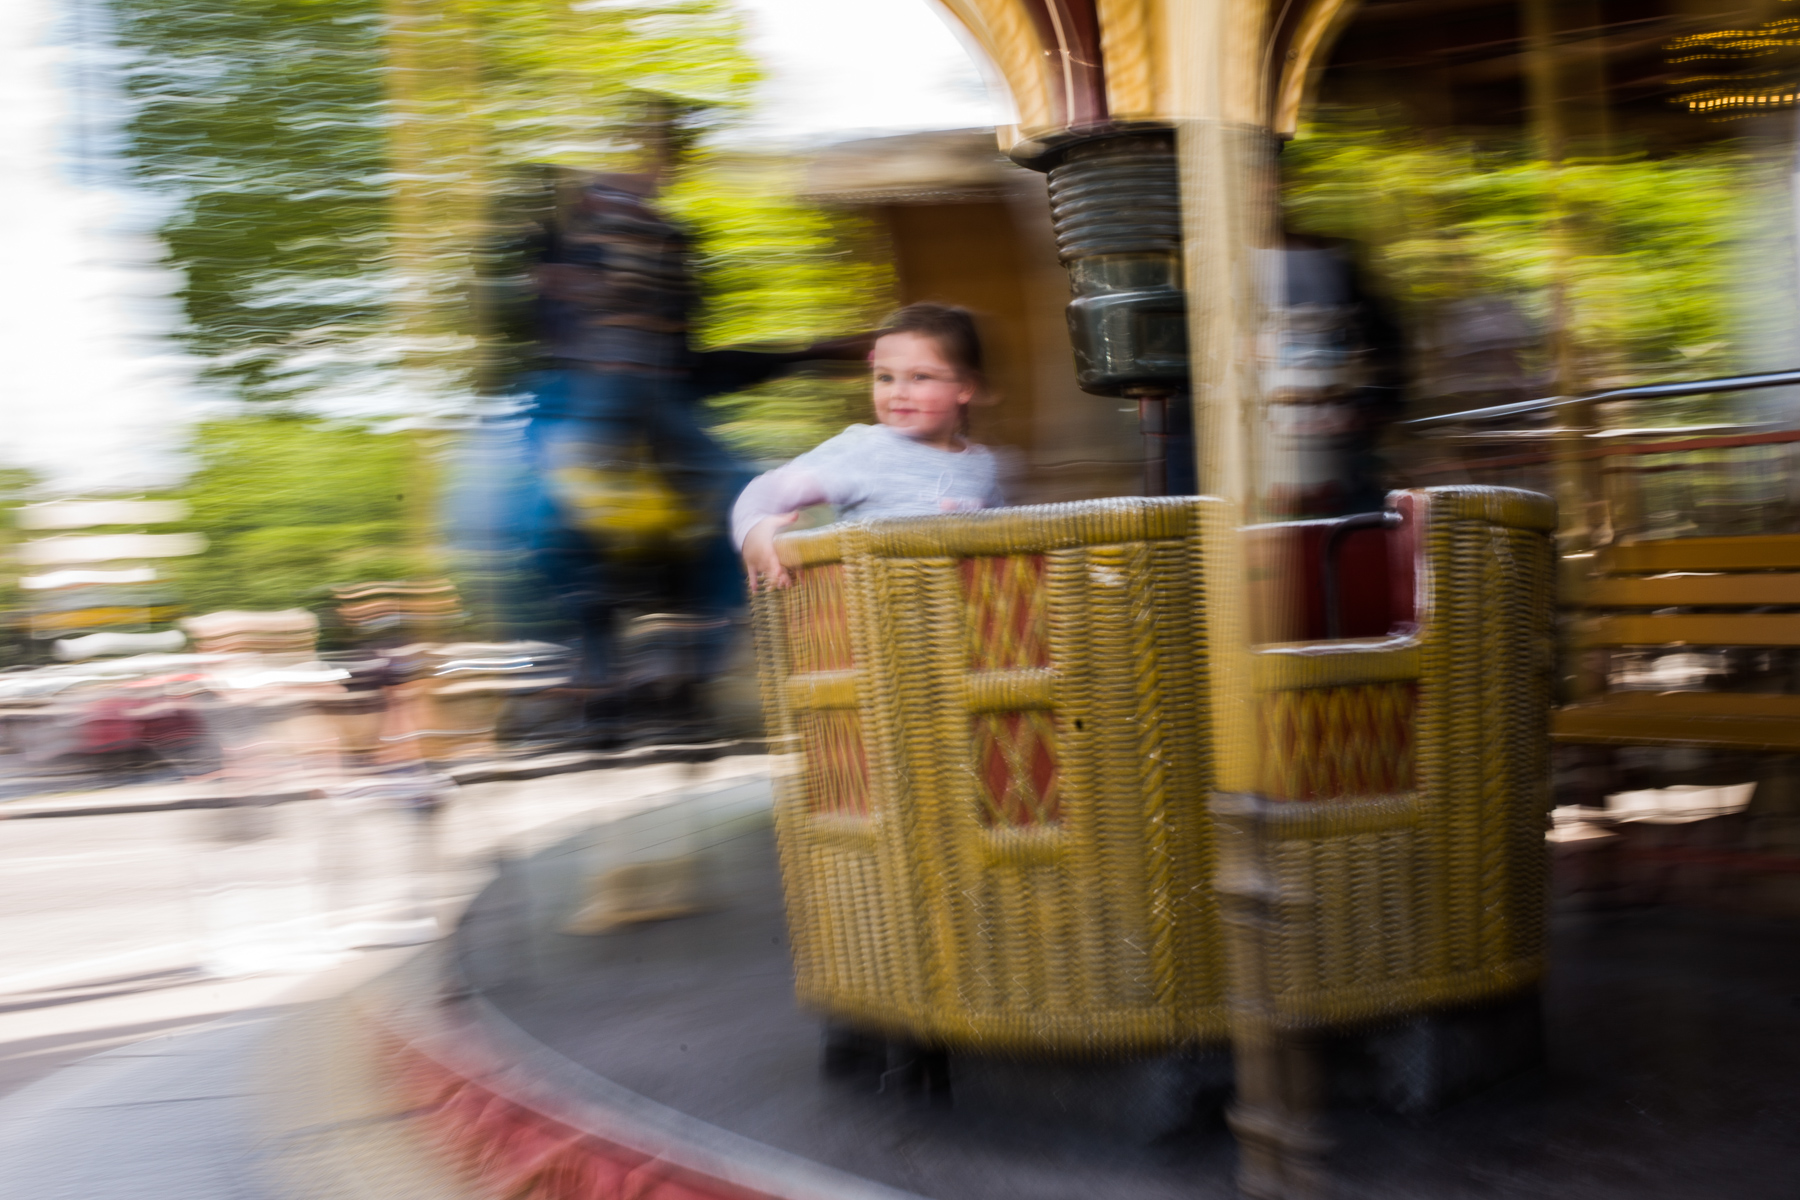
(761, 563)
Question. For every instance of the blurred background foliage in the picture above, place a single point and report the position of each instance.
(291, 504)
(335, 172)
(1652, 256)
(17, 485)
(261, 122)
(338, 174)
(776, 270)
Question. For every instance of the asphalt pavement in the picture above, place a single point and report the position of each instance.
(148, 956)
(1671, 1073)
(171, 1117)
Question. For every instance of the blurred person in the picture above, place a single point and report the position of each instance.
(622, 501)
(916, 460)
(1332, 376)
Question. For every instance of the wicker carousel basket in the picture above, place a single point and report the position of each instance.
(993, 813)
(1392, 858)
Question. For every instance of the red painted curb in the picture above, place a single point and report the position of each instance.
(513, 1150)
(520, 1122)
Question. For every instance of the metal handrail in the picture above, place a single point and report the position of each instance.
(1648, 391)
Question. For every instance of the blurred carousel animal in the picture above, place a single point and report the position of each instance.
(1331, 370)
(604, 499)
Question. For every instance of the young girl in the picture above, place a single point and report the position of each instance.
(927, 364)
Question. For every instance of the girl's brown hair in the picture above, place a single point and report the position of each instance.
(952, 328)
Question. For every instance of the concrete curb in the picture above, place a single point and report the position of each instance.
(508, 1118)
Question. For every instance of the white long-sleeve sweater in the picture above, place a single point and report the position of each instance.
(872, 471)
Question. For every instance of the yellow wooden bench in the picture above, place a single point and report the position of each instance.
(1714, 592)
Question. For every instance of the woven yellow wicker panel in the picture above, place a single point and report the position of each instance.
(1015, 759)
(1033, 867)
(1392, 899)
(835, 763)
(832, 814)
(818, 625)
(1328, 743)
(1030, 862)
(1004, 608)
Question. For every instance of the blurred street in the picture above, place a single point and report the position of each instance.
(120, 927)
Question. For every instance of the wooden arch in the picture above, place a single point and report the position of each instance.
(1303, 34)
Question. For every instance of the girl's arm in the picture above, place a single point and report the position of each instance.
(770, 504)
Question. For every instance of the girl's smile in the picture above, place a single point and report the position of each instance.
(919, 392)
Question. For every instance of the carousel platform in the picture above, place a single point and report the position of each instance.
(1672, 1069)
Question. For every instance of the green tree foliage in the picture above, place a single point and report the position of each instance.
(775, 270)
(1653, 254)
(17, 486)
(329, 160)
(333, 168)
(291, 505)
(261, 121)
(563, 82)
(307, 145)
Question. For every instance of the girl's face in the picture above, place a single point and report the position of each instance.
(917, 391)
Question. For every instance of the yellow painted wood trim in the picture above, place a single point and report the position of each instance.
(1324, 17)
(1125, 46)
(821, 690)
(1694, 721)
(1010, 690)
(1757, 552)
(1696, 704)
(1335, 664)
(1691, 629)
(1733, 588)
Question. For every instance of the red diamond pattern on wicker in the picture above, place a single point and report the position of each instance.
(1335, 742)
(837, 765)
(1015, 765)
(1004, 604)
(818, 622)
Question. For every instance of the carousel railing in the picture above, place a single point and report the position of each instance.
(1692, 478)
(994, 823)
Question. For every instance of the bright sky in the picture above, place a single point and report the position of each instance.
(837, 67)
(91, 393)
(97, 396)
